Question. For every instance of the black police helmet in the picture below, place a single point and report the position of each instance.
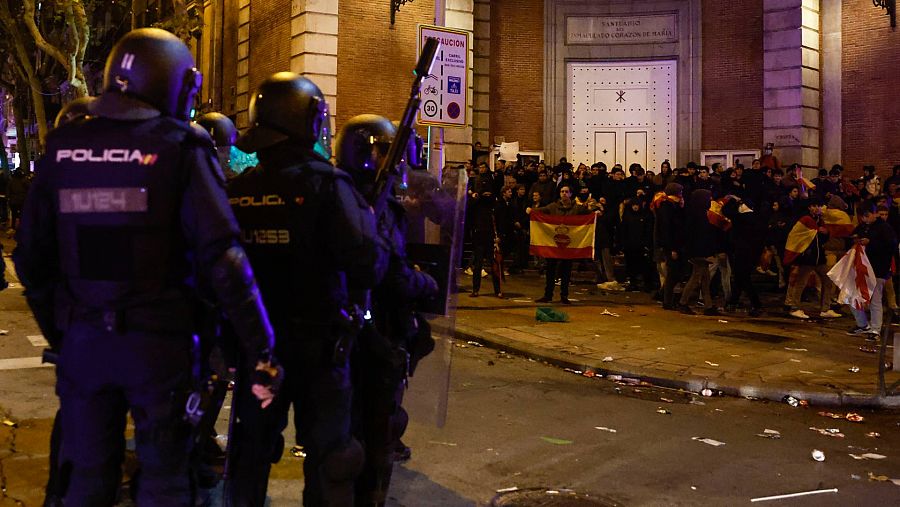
(288, 107)
(73, 110)
(220, 128)
(353, 147)
(155, 66)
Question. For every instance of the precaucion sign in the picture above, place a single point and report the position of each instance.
(445, 90)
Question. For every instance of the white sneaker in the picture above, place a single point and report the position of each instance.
(484, 273)
(617, 286)
(760, 270)
(830, 314)
(468, 271)
(800, 314)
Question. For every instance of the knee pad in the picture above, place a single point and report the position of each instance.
(344, 462)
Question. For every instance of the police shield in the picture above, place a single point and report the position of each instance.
(435, 208)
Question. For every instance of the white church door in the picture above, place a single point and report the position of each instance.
(622, 112)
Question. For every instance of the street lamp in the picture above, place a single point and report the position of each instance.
(891, 7)
(395, 8)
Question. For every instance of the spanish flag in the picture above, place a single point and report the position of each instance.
(661, 197)
(838, 223)
(563, 237)
(801, 236)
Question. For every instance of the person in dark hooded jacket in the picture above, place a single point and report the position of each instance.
(700, 246)
(636, 238)
(748, 235)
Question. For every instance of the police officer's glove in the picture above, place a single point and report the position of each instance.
(266, 380)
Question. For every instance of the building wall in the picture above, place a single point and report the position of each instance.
(375, 60)
(732, 74)
(870, 85)
(517, 72)
(270, 35)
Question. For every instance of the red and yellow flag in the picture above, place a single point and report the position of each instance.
(715, 216)
(801, 236)
(563, 237)
(838, 223)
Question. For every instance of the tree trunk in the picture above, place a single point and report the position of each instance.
(21, 138)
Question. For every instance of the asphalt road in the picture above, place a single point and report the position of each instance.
(518, 423)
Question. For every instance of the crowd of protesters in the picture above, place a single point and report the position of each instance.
(688, 225)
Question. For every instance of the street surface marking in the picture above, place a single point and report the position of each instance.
(21, 363)
(38, 340)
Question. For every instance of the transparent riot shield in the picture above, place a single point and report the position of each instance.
(435, 208)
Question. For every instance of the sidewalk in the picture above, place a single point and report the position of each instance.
(766, 357)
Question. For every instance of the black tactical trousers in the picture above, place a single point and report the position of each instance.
(319, 390)
(100, 377)
(561, 268)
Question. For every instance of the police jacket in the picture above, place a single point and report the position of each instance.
(309, 235)
(123, 215)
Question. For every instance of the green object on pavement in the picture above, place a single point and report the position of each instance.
(557, 441)
(547, 314)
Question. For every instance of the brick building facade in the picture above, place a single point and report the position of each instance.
(815, 77)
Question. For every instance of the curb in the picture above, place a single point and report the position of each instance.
(772, 392)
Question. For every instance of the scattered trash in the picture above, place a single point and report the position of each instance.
(4, 332)
(873, 434)
(660, 348)
(461, 345)
(297, 451)
(694, 488)
(767, 433)
(855, 477)
(547, 314)
(607, 359)
(589, 374)
(868, 455)
(795, 360)
(711, 363)
(557, 441)
(794, 495)
(663, 411)
(508, 490)
(667, 400)
(635, 327)
(707, 392)
(883, 478)
(696, 402)
(709, 441)
(438, 442)
(723, 321)
(604, 428)
(522, 301)
(795, 402)
(828, 432)
(818, 455)
(630, 381)
(869, 349)
(474, 344)
(11, 424)
(570, 370)
(853, 369)
(850, 416)
(805, 372)
(735, 355)
(611, 314)
(796, 350)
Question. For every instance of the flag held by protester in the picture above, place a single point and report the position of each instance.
(854, 277)
(563, 237)
(838, 223)
(801, 236)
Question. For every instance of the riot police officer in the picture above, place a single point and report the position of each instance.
(311, 237)
(381, 357)
(127, 208)
(223, 133)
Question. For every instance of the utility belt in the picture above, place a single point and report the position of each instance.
(174, 318)
(336, 336)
